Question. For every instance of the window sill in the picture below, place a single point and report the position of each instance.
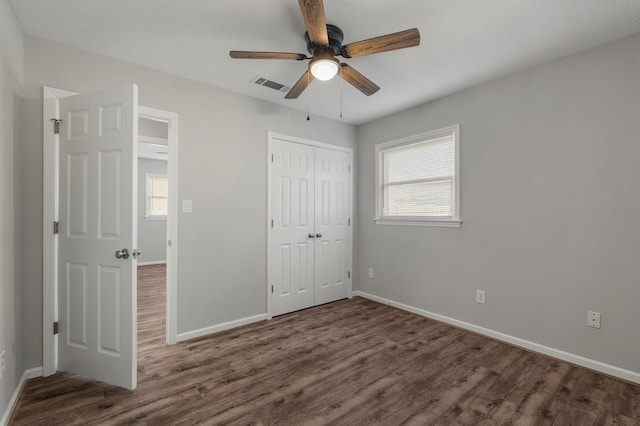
(418, 222)
(156, 217)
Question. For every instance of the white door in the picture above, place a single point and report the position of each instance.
(310, 252)
(96, 288)
(293, 235)
(333, 236)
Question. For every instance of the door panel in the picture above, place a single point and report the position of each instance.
(97, 292)
(109, 284)
(77, 305)
(109, 206)
(77, 190)
(292, 213)
(333, 248)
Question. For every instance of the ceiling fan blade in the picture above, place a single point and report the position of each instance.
(300, 85)
(358, 80)
(314, 20)
(242, 54)
(385, 43)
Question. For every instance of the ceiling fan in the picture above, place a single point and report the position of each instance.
(324, 43)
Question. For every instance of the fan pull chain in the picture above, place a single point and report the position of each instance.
(340, 90)
(308, 94)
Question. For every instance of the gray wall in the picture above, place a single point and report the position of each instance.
(152, 233)
(11, 85)
(222, 257)
(550, 206)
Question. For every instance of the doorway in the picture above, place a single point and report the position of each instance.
(51, 98)
(153, 206)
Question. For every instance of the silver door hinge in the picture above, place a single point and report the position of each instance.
(349, 168)
(349, 221)
(56, 125)
(272, 158)
(348, 274)
(272, 223)
(56, 227)
(271, 288)
(56, 327)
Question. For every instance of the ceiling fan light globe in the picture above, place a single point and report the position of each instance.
(324, 69)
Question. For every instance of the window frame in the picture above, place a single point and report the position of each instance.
(449, 221)
(147, 176)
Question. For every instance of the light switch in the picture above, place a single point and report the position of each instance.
(187, 206)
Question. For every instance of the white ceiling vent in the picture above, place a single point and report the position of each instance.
(261, 81)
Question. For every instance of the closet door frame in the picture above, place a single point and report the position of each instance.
(271, 137)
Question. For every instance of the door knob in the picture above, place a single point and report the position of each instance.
(135, 253)
(318, 235)
(311, 235)
(122, 254)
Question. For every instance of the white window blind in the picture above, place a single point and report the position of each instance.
(418, 177)
(157, 195)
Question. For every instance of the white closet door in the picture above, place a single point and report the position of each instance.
(333, 236)
(292, 247)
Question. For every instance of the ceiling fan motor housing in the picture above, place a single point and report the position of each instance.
(335, 36)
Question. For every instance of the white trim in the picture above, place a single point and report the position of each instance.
(50, 142)
(287, 138)
(352, 162)
(611, 370)
(220, 327)
(171, 118)
(271, 137)
(152, 148)
(13, 402)
(450, 222)
(152, 140)
(32, 373)
(153, 262)
(418, 222)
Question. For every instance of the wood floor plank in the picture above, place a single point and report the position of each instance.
(350, 362)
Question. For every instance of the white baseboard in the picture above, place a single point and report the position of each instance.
(220, 327)
(32, 373)
(28, 374)
(152, 262)
(611, 370)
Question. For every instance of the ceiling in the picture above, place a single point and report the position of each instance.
(464, 42)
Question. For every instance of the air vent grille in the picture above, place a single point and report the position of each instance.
(261, 81)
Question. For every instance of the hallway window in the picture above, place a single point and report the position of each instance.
(157, 187)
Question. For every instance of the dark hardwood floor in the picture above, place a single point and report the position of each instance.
(350, 362)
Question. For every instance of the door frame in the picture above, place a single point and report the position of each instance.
(50, 208)
(271, 136)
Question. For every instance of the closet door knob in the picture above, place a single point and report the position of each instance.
(318, 235)
(311, 235)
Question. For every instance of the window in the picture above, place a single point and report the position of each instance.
(419, 179)
(157, 187)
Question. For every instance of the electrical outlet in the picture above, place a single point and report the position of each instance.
(593, 319)
(480, 296)
(2, 364)
(370, 272)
